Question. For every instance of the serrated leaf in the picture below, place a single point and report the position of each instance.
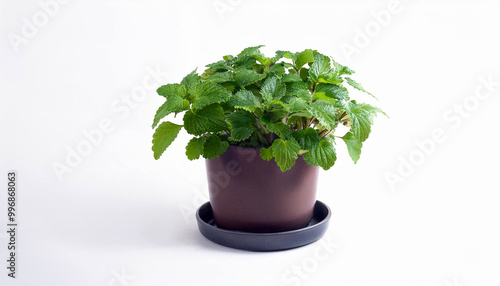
(208, 119)
(277, 104)
(296, 105)
(277, 70)
(353, 146)
(172, 89)
(285, 153)
(164, 135)
(221, 77)
(246, 100)
(190, 80)
(322, 155)
(307, 139)
(174, 103)
(255, 53)
(214, 147)
(195, 148)
(228, 58)
(322, 96)
(266, 153)
(324, 111)
(208, 72)
(280, 129)
(320, 68)
(330, 79)
(206, 93)
(299, 89)
(333, 90)
(241, 125)
(244, 62)
(246, 77)
(272, 88)
(282, 54)
(291, 77)
(340, 69)
(357, 85)
(362, 119)
(303, 58)
(219, 66)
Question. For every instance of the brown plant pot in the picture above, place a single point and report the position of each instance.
(250, 194)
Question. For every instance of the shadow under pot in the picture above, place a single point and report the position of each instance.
(250, 194)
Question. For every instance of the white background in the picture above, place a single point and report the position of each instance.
(121, 212)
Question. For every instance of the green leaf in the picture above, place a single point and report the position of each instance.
(330, 79)
(244, 62)
(164, 135)
(362, 119)
(357, 85)
(277, 70)
(333, 90)
(285, 153)
(221, 77)
(245, 100)
(299, 89)
(219, 66)
(304, 74)
(206, 93)
(208, 72)
(282, 54)
(195, 148)
(214, 147)
(266, 153)
(208, 119)
(296, 105)
(307, 139)
(280, 129)
(172, 89)
(324, 111)
(340, 69)
(174, 103)
(322, 155)
(353, 146)
(272, 88)
(241, 124)
(245, 77)
(190, 81)
(320, 67)
(322, 96)
(303, 58)
(291, 77)
(255, 53)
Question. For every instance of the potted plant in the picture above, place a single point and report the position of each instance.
(265, 126)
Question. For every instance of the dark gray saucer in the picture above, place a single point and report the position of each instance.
(264, 241)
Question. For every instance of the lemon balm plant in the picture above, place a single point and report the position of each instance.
(287, 105)
(265, 125)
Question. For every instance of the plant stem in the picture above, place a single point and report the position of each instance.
(310, 122)
(313, 91)
(326, 134)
